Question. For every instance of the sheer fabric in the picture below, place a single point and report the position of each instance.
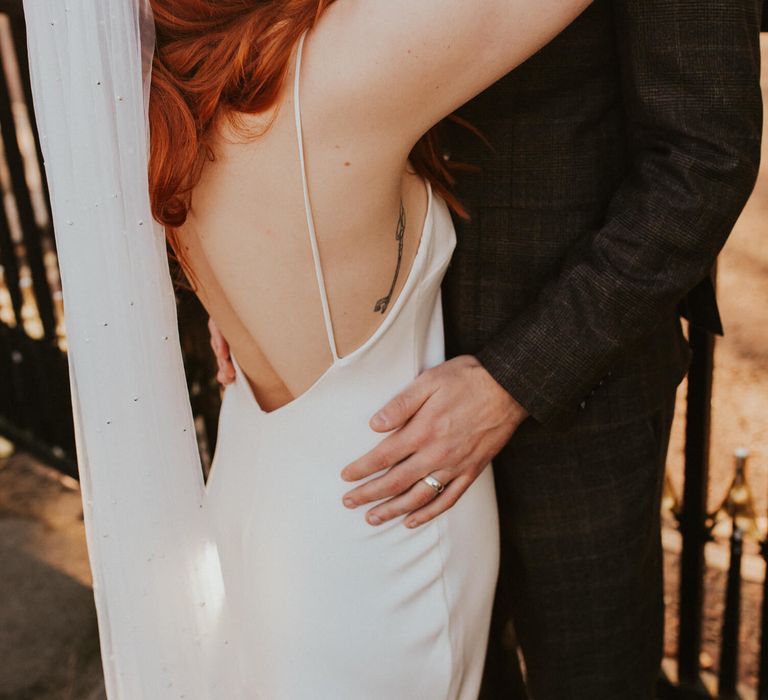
(160, 598)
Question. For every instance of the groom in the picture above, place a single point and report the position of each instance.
(622, 155)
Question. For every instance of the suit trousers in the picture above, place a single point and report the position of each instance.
(580, 587)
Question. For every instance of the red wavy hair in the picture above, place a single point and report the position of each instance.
(218, 58)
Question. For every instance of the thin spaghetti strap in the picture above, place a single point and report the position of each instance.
(308, 205)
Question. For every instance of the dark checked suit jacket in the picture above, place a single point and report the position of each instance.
(623, 153)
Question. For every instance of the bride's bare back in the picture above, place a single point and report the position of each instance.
(250, 248)
(364, 104)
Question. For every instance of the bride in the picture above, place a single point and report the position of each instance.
(294, 170)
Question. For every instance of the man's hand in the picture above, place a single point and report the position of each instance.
(452, 419)
(226, 373)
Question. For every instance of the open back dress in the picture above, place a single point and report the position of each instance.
(324, 605)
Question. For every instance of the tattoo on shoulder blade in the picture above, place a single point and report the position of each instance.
(383, 303)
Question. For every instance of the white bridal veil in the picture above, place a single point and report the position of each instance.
(157, 583)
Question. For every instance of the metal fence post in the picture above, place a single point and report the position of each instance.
(693, 518)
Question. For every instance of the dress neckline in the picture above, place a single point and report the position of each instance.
(394, 311)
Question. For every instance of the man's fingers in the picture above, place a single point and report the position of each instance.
(389, 452)
(213, 329)
(447, 499)
(397, 480)
(419, 495)
(225, 376)
(226, 371)
(399, 410)
(218, 342)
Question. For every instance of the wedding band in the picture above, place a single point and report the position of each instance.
(434, 483)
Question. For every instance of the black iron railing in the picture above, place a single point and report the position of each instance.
(35, 409)
(35, 400)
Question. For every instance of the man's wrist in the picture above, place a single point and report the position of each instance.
(517, 411)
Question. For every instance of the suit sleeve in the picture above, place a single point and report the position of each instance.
(691, 90)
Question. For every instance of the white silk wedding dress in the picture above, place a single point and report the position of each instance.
(328, 606)
(259, 584)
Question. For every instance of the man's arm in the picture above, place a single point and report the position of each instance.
(691, 76)
(692, 94)
(695, 120)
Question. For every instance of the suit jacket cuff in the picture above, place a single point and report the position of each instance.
(549, 373)
(541, 407)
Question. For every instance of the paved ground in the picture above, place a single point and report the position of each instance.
(48, 634)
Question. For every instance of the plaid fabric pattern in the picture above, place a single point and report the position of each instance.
(580, 579)
(623, 153)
